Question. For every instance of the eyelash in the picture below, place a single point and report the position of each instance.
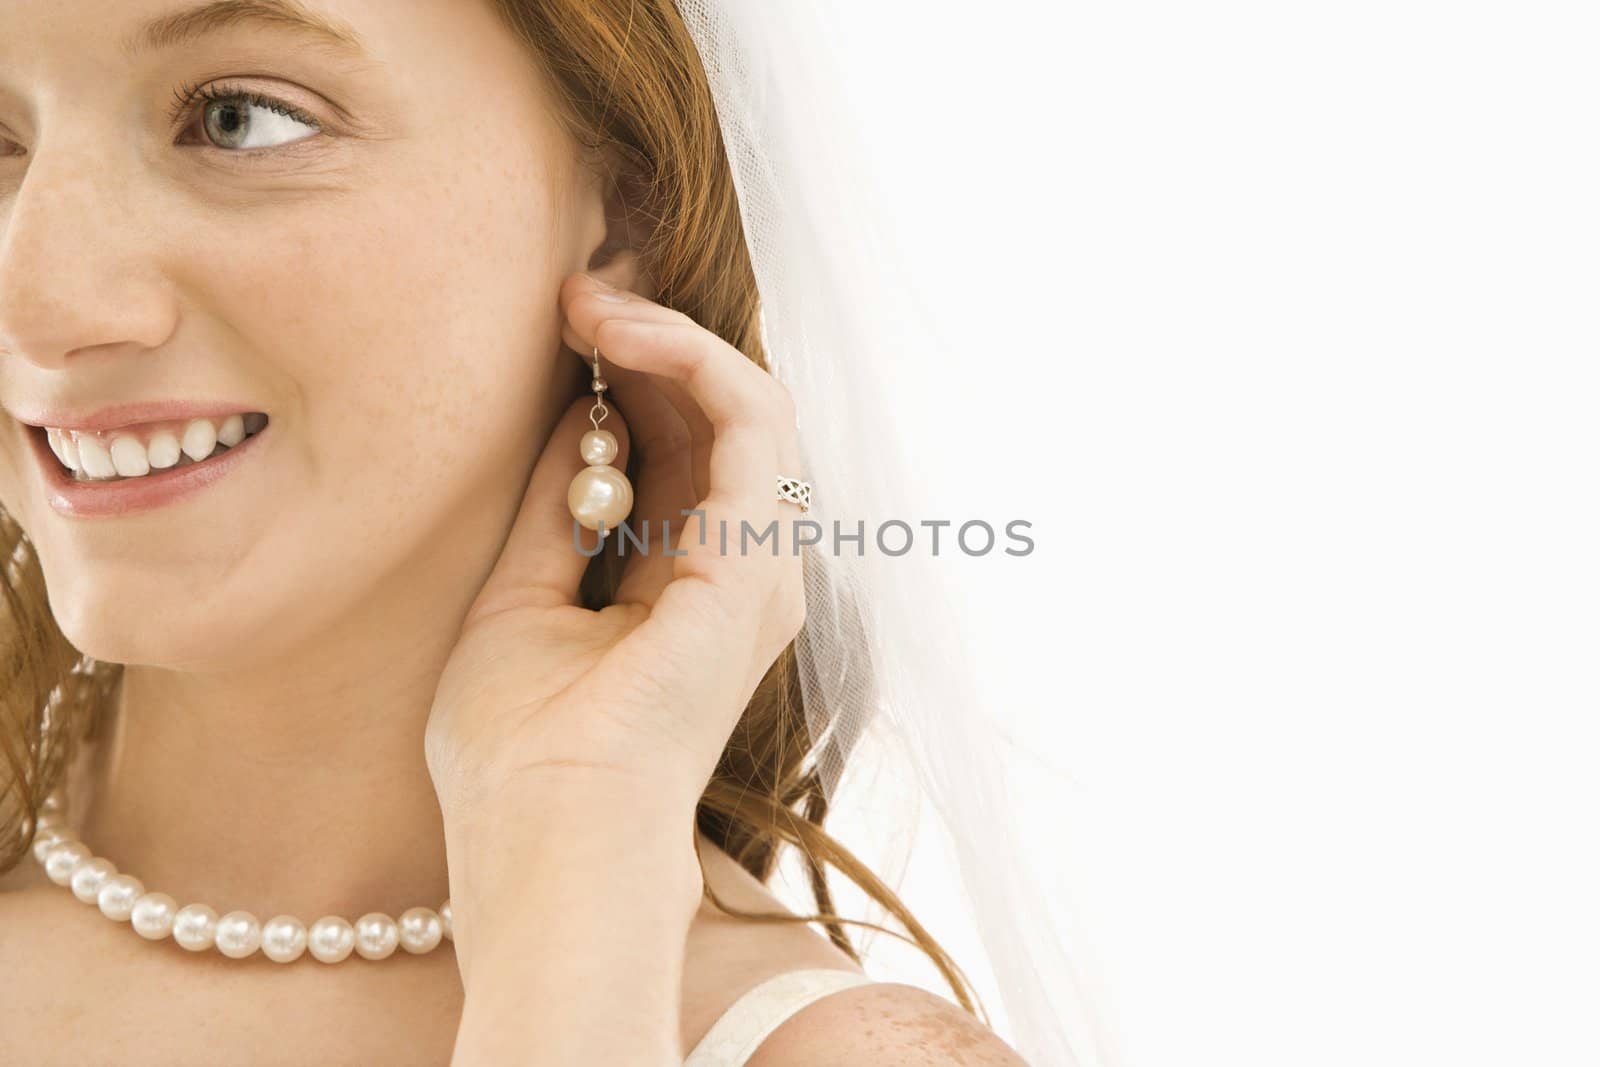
(189, 95)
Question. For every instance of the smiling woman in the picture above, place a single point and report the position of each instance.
(304, 311)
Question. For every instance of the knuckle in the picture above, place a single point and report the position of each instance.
(699, 356)
(709, 601)
(745, 419)
(784, 401)
(679, 318)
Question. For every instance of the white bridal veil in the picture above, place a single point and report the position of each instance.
(881, 651)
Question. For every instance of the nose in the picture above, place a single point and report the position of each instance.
(78, 269)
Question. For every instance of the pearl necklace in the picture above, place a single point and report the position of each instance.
(93, 879)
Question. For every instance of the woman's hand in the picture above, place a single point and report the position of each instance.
(569, 747)
(645, 692)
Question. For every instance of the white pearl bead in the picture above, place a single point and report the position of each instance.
(47, 840)
(51, 820)
(283, 939)
(331, 939)
(238, 934)
(376, 935)
(90, 876)
(447, 919)
(153, 915)
(56, 801)
(63, 859)
(420, 930)
(118, 896)
(599, 447)
(195, 927)
(600, 494)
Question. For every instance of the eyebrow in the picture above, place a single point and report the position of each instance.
(190, 24)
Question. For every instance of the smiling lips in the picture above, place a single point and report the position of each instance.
(134, 451)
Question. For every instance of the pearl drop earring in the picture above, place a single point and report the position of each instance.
(600, 496)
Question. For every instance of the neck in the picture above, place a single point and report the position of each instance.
(294, 785)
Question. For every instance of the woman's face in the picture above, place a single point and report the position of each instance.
(369, 254)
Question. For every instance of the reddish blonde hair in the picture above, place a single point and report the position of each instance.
(632, 93)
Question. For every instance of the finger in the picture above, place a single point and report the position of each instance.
(744, 453)
(752, 424)
(701, 434)
(539, 565)
(790, 460)
(732, 392)
(599, 301)
(736, 397)
(786, 609)
(722, 542)
(700, 430)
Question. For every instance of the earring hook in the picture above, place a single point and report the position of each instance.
(599, 411)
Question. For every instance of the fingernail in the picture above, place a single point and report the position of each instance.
(614, 296)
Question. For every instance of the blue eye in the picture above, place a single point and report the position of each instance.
(237, 120)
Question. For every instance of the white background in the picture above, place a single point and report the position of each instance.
(1284, 319)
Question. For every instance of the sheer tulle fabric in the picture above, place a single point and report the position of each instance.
(881, 652)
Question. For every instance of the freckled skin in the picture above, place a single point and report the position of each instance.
(388, 296)
(884, 1023)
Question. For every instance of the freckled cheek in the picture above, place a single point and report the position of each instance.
(404, 334)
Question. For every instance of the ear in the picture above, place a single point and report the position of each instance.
(616, 258)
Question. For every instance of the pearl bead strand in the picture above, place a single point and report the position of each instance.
(67, 861)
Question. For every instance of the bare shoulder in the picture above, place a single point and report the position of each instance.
(878, 1022)
(884, 1023)
(727, 956)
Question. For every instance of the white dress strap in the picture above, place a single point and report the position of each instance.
(751, 1019)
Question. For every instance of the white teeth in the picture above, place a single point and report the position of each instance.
(65, 448)
(128, 456)
(231, 432)
(199, 439)
(163, 450)
(96, 460)
(54, 437)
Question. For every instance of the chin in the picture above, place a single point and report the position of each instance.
(138, 620)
